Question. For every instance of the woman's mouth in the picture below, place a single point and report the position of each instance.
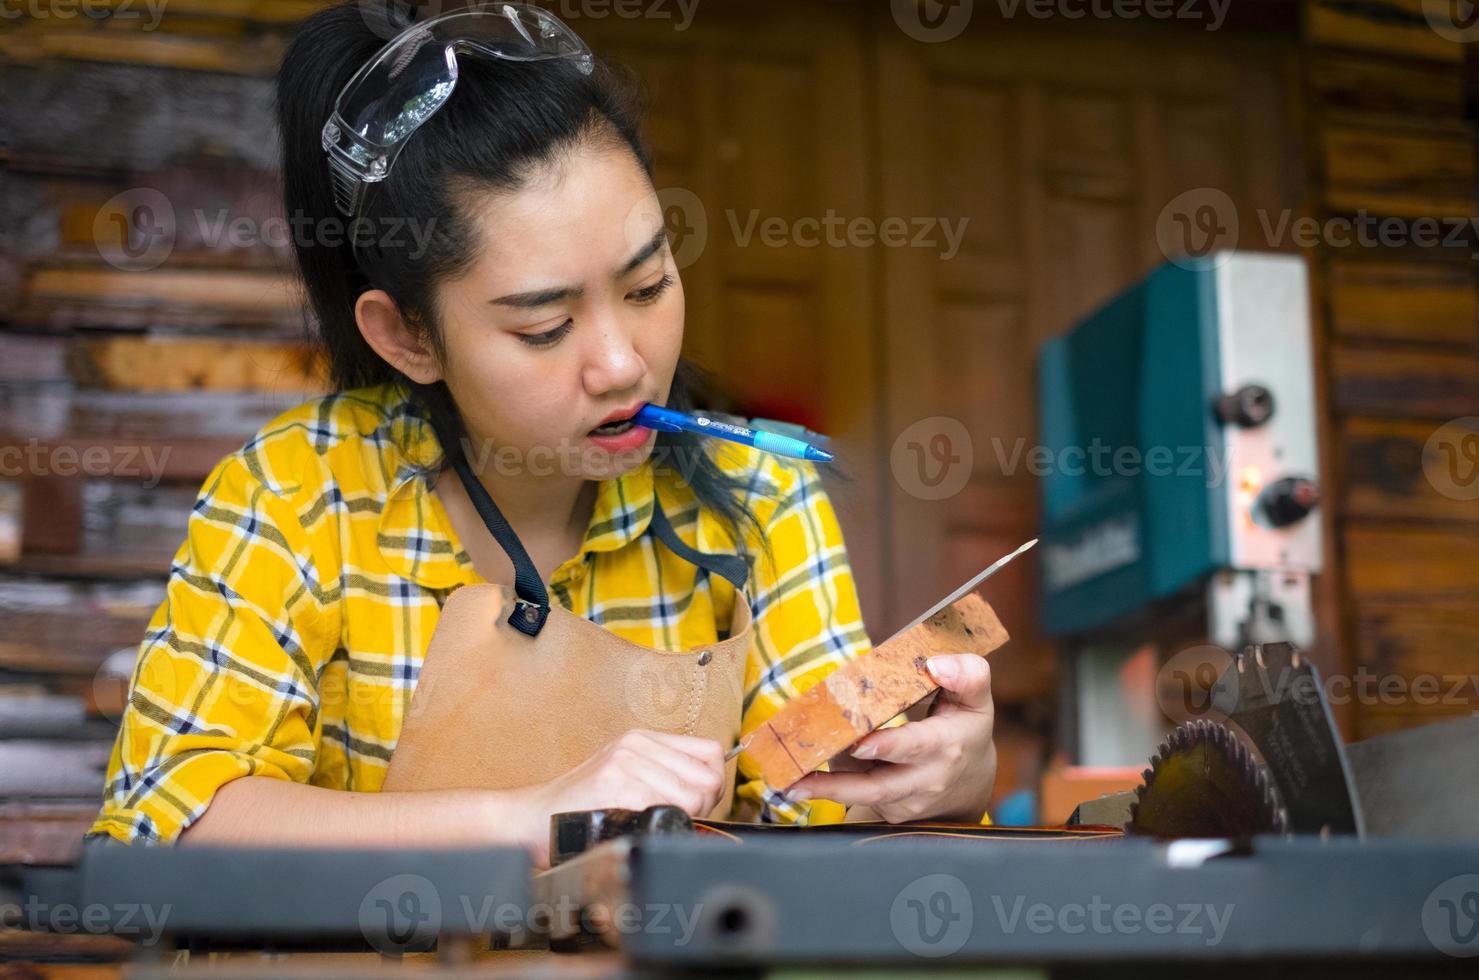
(620, 436)
(613, 428)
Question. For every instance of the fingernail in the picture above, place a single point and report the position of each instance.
(943, 668)
(798, 794)
(865, 751)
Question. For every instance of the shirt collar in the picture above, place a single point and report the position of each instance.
(415, 537)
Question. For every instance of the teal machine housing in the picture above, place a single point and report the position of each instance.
(1129, 382)
(1168, 418)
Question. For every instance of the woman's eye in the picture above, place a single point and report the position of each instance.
(649, 293)
(549, 338)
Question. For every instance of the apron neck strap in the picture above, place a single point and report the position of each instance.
(531, 607)
(730, 567)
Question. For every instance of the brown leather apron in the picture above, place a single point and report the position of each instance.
(515, 691)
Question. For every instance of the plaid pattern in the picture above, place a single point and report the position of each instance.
(314, 571)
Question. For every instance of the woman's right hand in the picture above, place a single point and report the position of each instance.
(637, 770)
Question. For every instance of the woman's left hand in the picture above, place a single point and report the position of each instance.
(941, 767)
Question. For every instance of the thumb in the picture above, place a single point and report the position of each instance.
(964, 679)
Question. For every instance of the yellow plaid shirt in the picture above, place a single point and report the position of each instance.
(302, 601)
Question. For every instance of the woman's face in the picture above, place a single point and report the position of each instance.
(572, 312)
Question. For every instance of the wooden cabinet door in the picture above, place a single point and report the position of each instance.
(756, 118)
(1061, 150)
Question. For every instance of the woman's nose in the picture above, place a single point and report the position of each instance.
(613, 363)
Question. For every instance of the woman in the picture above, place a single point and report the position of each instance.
(473, 365)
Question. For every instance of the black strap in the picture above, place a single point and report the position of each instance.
(731, 567)
(532, 606)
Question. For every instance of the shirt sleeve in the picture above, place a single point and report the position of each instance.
(807, 623)
(225, 684)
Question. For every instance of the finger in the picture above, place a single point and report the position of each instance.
(907, 743)
(879, 785)
(846, 762)
(705, 776)
(964, 679)
(705, 750)
(672, 790)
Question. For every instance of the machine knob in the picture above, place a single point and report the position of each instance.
(1250, 406)
(1289, 500)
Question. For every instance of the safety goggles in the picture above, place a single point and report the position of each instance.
(413, 76)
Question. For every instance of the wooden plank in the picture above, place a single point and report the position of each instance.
(1396, 383)
(49, 39)
(153, 460)
(1439, 638)
(1411, 565)
(1394, 470)
(52, 770)
(1405, 175)
(51, 515)
(1393, 27)
(865, 693)
(1391, 301)
(1415, 665)
(45, 833)
(188, 364)
(154, 117)
(1405, 94)
(259, 291)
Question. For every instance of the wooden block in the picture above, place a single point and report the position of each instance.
(865, 693)
(1393, 27)
(1405, 94)
(1404, 384)
(250, 290)
(1405, 175)
(1391, 471)
(1417, 566)
(1428, 302)
(192, 363)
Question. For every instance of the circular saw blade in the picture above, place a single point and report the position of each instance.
(1203, 782)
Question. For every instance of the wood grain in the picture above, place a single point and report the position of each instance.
(863, 694)
(1391, 27)
(1407, 175)
(1384, 382)
(1386, 474)
(1428, 302)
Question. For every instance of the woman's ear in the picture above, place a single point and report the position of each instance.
(394, 339)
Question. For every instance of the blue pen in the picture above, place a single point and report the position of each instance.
(652, 416)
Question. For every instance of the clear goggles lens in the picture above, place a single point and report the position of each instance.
(414, 75)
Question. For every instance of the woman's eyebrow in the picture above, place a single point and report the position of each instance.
(647, 251)
(543, 297)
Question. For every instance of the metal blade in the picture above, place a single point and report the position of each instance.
(949, 600)
(970, 586)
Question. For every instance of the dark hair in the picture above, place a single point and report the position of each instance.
(503, 120)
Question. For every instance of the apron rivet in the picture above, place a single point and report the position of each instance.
(530, 614)
(704, 658)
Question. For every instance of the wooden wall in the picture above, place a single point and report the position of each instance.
(1392, 139)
